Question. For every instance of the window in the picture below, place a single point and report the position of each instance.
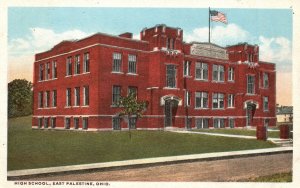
(170, 43)
(230, 100)
(47, 98)
(77, 64)
(85, 123)
(132, 64)
(266, 123)
(46, 123)
(54, 69)
(250, 84)
(47, 71)
(132, 123)
(230, 74)
(231, 122)
(40, 122)
(86, 96)
(116, 123)
(201, 100)
(54, 98)
(77, 96)
(186, 68)
(266, 80)
(41, 72)
(250, 57)
(69, 66)
(218, 100)
(86, 62)
(117, 62)
(219, 123)
(76, 122)
(132, 90)
(68, 97)
(187, 98)
(171, 76)
(40, 99)
(53, 122)
(201, 71)
(116, 94)
(266, 103)
(67, 123)
(218, 73)
(202, 123)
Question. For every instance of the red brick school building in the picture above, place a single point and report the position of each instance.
(196, 85)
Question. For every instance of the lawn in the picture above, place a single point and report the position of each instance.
(29, 148)
(246, 132)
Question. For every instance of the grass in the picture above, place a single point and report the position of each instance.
(29, 148)
(281, 177)
(246, 132)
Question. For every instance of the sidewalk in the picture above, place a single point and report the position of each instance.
(146, 162)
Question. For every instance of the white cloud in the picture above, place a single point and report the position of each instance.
(221, 35)
(41, 39)
(278, 50)
(136, 36)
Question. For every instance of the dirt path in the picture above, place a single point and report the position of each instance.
(218, 170)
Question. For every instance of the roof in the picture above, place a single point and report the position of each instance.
(284, 110)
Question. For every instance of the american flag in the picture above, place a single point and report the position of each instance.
(218, 16)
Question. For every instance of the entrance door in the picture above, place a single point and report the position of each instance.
(170, 106)
(249, 113)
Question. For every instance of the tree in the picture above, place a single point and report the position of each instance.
(19, 98)
(132, 108)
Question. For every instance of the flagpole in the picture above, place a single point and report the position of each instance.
(208, 24)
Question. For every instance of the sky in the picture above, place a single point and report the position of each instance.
(32, 30)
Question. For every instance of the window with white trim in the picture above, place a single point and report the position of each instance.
(218, 73)
(116, 123)
(201, 70)
(53, 122)
(132, 122)
(117, 62)
(218, 101)
(250, 84)
(67, 123)
(46, 122)
(77, 96)
(230, 100)
(86, 96)
(77, 64)
(68, 97)
(186, 68)
(85, 123)
(219, 123)
(40, 99)
(54, 98)
(47, 99)
(265, 80)
(230, 74)
(132, 90)
(41, 72)
(76, 122)
(171, 76)
(40, 122)
(86, 62)
(54, 69)
(132, 64)
(266, 103)
(47, 71)
(187, 97)
(202, 123)
(116, 94)
(69, 66)
(201, 100)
